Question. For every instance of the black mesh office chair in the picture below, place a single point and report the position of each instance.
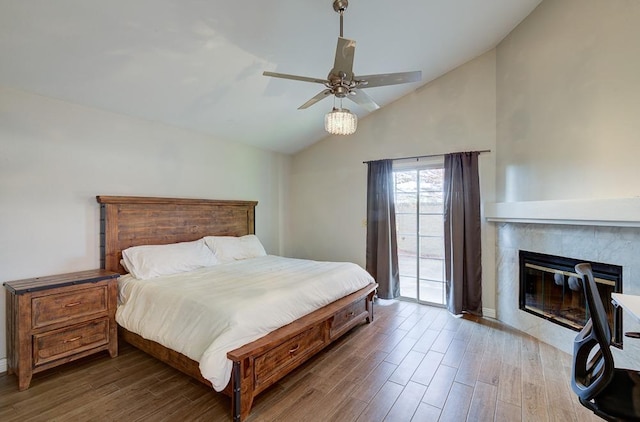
(610, 392)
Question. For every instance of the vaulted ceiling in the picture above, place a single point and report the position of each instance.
(198, 64)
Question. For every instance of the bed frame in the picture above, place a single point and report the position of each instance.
(132, 221)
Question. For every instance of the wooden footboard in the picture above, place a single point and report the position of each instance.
(262, 363)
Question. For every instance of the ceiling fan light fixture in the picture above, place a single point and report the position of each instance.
(340, 121)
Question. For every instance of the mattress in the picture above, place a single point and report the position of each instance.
(208, 312)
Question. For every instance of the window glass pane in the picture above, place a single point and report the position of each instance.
(405, 203)
(407, 244)
(431, 180)
(432, 291)
(406, 181)
(431, 225)
(408, 287)
(431, 269)
(406, 223)
(408, 266)
(432, 247)
(431, 202)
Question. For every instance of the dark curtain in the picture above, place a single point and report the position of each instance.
(382, 244)
(462, 252)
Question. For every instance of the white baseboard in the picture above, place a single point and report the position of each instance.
(3, 365)
(488, 312)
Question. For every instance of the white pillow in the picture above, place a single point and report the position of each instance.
(151, 261)
(231, 248)
(124, 265)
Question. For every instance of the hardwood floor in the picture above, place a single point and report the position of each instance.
(413, 363)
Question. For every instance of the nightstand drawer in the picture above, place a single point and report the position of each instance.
(63, 307)
(68, 341)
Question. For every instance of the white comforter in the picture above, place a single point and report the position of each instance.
(205, 313)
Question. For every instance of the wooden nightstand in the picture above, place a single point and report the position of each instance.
(56, 319)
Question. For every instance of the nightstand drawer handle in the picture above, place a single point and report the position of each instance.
(295, 349)
(350, 314)
(72, 304)
(72, 339)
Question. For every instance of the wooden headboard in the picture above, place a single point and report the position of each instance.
(127, 221)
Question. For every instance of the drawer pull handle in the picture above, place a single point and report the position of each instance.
(72, 339)
(72, 304)
(350, 314)
(295, 349)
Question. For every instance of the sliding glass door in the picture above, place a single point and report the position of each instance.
(420, 228)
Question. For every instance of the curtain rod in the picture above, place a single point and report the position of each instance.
(417, 157)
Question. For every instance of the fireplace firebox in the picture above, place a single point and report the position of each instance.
(551, 289)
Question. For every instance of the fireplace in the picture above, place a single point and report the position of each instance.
(550, 289)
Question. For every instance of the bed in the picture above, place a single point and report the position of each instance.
(135, 221)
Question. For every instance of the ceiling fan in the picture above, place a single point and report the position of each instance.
(341, 81)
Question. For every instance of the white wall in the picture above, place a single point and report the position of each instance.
(55, 158)
(328, 180)
(568, 102)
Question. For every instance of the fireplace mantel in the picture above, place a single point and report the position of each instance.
(614, 212)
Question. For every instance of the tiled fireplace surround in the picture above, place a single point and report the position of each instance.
(611, 245)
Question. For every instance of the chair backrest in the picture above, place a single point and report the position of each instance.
(593, 365)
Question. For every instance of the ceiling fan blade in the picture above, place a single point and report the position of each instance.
(322, 95)
(295, 77)
(361, 98)
(384, 79)
(344, 58)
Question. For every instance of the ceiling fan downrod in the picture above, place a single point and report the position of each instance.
(340, 6)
